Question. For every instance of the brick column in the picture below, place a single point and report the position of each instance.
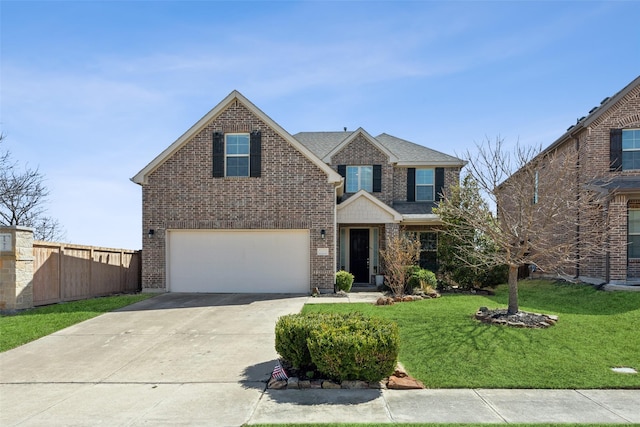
(618, 239)
(391, 230)
(16, 268)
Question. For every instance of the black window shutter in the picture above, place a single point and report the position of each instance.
(615, 149)
(411, 184)
(439, 183)
(218, 155)
(377, 178)
(255, 154)
(342, 170)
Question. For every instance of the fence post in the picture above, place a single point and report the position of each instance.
(16, 268)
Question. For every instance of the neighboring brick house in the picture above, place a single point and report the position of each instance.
(607, 143)
(237, 204)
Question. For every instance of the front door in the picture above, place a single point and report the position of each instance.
(359, 254)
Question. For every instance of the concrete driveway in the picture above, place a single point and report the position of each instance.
(172, 359)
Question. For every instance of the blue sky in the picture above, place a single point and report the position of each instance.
(91, 91)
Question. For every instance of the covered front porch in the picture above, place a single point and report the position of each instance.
(365, 225)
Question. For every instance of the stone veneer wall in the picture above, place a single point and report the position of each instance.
(16, 269)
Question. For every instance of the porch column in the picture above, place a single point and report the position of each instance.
(391, 230)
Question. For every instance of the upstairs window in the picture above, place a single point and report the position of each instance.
(359, 178)
(630, 149)
(236, 154)
(424, 185)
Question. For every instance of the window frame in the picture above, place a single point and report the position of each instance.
(359, 174)
(432, 185)
(423, 261)
(227, 156)
(536, 181)
(635, 149)
(631, 252)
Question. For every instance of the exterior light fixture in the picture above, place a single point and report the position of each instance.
(323, 234)
(151, 232)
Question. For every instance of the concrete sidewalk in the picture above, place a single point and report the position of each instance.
(204, 360)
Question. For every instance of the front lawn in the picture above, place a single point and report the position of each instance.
(443, 346)
(29, 325)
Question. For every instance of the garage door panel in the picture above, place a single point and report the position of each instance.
(265, 261)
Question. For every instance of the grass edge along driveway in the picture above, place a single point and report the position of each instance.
(445, 347)
(29, 325)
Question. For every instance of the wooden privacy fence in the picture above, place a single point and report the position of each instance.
(66, 272)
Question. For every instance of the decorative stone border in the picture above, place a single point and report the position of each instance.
(522, 319)
(400, 380)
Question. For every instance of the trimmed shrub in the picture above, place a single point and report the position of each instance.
(355, 347)
(292, 332)
(426, 279)
(344, 280)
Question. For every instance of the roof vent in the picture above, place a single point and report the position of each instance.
(570, 127)
(580, 119)
(604, 100)
(593, 109)
(345, 128)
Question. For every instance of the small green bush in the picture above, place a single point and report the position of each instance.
(292, 332)
(354, 347)
(348, 346)
(344, 280)
(426, 279)
(420, 278)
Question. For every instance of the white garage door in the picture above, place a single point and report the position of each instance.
(238, 261)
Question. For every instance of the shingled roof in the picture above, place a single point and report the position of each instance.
(407, 153)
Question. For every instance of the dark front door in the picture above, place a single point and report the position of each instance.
(359, 254)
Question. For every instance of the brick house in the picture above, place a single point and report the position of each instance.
(607, 146)
(237, 204)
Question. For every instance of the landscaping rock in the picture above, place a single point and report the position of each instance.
(522, 319)
(384, 301)
(403, 383)
(293, 383)
(304, 384)
(277, 384)
(330, 385)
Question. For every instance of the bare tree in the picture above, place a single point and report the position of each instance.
(528, 211)
(23, 197)
(401, 253)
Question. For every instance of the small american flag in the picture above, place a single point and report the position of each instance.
(279, 373)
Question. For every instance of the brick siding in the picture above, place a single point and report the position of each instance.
(292, 193)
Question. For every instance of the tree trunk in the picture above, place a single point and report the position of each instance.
(513, 289)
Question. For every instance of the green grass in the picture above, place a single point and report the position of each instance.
(29, 325)
(443, 346)
(441, 425)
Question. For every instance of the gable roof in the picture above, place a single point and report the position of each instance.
(141, 177)
(594, 114)
(354, 135)
(364, 208)
(403, 153)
